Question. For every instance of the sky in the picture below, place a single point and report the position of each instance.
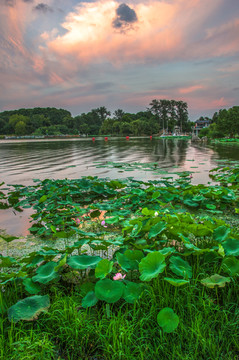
(80, 55)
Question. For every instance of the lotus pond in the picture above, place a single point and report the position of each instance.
(145, 270)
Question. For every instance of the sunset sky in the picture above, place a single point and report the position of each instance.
(81, 55)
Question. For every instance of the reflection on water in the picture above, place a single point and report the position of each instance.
(22, 161)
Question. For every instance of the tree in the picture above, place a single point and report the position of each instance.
(118, 114)
(125, 128)
(227, 121)
(170, 113)
(20, 128)
(182, 114)
(102, 113)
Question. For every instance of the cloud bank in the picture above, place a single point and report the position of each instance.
(61, 52)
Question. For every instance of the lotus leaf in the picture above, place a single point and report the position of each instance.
(123, 261)
(33, 260)
(130, 259)
(31, 287)
(166, 251)
(215, 280)
(231, 247)
(46, 273)
(109, 290)
(190, 203)
(231, 265)
(221, 233)
(7, 261)
(155, 195)
(196, 250)
(28, 308)
(180, 267)
(86, 287)
(132, 292)
(61, 262)
(89, 300)
(83, 261)
(103, 268)
(8, 238)
(152, 265)
(167, 320)
(176, 282)
(157, 229)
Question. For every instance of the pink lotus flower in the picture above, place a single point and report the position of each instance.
(78, 221)
(103, 223)
(119, 276)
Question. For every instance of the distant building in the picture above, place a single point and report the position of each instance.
(200, 124)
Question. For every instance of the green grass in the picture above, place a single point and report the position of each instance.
(208, 328)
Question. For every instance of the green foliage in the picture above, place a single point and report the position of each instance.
(108, 290)
(28, 308)
(132, 292)
(167, 248)
(230, 265)
(176, 282)
(171, 113)
(167, 320)
(89, 300)
(103, 268)
(31, 287)
(151, 266)
(46, 273)
(83, 261)
(180, 267)
(215, 280)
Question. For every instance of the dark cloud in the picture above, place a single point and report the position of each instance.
(43, 8)
(10, 2)
(13, 2)
(124, 16)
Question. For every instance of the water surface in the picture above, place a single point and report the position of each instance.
(22, 161)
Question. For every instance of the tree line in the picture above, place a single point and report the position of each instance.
(161, 116)
(224, 123)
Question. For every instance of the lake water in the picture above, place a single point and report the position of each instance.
(22, 161)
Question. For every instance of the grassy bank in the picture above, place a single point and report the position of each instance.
(147, 270)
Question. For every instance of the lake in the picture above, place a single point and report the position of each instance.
(22, 161)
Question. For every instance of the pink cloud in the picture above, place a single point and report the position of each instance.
(164, 31)
(210, 103)
(91, 37)
(190, 89)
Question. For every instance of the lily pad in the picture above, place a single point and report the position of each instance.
(130, 259)
(89, 300)
(176, 282)
(152, 265)
(109, 290)
(29, 308)
(157, 229)
(180, 267)
(31, 287)
(215, 280)
(221, 233)
(46, 273)
(231, 247)
(83, 261)
(231, 265)
(132, 292)
(103, 268)
(167, 320)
